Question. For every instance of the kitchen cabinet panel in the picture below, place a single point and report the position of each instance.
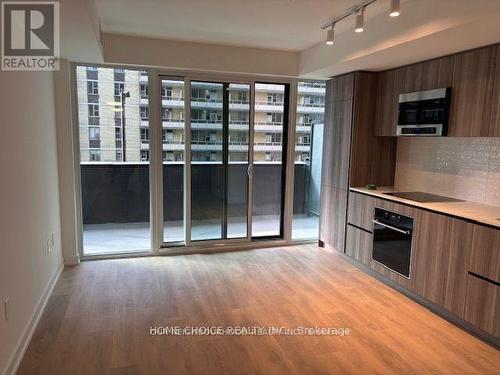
(413, 78)
(483, 305)
(361, 210)
(333, 216)
(359, 244)
(372, 158)
(391, 84)
(494, 128)
(344, 87)
(441, 246)
(472, 93)
(437, 73)
(339, 144)
(485, 254)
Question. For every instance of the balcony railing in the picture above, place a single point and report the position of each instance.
(265, 102)
(315, 105)
(108, 200)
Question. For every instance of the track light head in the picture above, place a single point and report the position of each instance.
(395, 8)
(360, 15)
(330, 35)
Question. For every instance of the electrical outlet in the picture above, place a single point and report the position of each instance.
(6, 309)
(49, 248)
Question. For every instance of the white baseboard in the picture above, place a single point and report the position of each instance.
(72, 261)
(22, 344)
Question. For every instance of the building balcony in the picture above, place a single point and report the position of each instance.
(172, 101)
(206, 103)
(272, 88)
(311, 88)
(268, 146)
(311, 108)
(264, 106)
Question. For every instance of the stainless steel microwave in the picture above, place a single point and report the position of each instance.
(424, 113)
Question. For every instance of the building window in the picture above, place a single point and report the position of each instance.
(118, 155)
(274, 98)
(94, 133)
(144, 155)
(144, 91)
(144, 113)
(91, 68)
(119, 88)
(118, 134)
(95, 155)
(166, 92)
(92, 88)
(93, 110)
(145, 135)
(119, 70)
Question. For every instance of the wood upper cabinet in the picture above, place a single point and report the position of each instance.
(437, 73)
(472, 93)
(343, 87)
(441, 247)
(336, 144)
(494, 128)
(385, 114)
(429, 75)
(485, 254)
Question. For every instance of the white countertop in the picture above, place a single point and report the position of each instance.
(478, 212)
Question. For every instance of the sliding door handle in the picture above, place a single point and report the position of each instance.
(250, 170)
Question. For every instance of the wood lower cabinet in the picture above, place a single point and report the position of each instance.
(333, 216)
(483, 306)
(360, 211)
(485, 254)
(359, 244)
(441, 248)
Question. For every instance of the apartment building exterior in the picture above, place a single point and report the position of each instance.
(114, 128)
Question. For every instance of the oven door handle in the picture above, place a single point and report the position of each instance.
(391, 227)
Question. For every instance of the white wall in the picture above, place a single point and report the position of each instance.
(29, 201)
(67, 151)
(122, 49)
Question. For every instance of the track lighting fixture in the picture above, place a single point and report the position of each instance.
(360, 15)
(395, 8)
(359, 12)
(330, 35)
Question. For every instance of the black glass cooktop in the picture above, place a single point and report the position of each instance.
(419, 196)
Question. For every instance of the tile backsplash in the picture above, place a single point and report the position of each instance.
(464, 168)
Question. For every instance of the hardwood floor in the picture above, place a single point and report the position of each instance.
(99, 317)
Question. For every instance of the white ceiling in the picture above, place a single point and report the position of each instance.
(273, 24)
(425, 29)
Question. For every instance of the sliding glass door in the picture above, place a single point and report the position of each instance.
(269, 159)
(219, 154)
(219, 160)
(172, 118)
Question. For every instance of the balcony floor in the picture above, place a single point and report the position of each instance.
(114, 238)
